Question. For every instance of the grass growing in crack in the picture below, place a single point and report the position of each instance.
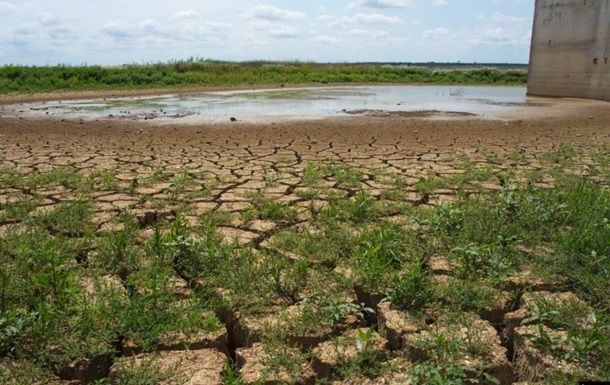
(587, 331)
(478, 296)
(412, 290)
(367, 362)
(469, 175)
(63, 177)
(24, 373)
(71, 219)
(147, 372)
(345, 176)
(312, 175)
(51, 314)
(56, 321)
(564, 155)
(288, 278)
(382, 253)
(231, 375)
(238, 276)
(117, 253)
(281, 361)
(266, 208)
(194, 253)
(358, 209)
(153, 313)
(19, 211)
(447, 347)
(106, 180)
(328, 246)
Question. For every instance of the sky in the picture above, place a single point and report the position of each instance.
(111, 32)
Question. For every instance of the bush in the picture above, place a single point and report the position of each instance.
(413, 290)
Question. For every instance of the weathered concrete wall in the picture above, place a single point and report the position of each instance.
(571, 49)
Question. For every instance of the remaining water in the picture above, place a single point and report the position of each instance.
(306, 103)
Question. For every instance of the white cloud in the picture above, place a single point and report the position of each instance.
(47, 19)
(274, 29)
(6, 7)
(324, 39)
(285, 32)
(387, 3)
(440, 2)
(375, 18)
(359, 19)
(439, 33)
(271, 13)
(479, 35)
(118, 29)
(151, 30)
(186, 15)
(502, 18)
(273, 21)
(368, 33)
(216, 26)
(43, 34)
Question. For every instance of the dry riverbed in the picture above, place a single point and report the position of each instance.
(297, 251)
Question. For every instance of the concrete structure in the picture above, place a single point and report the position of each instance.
(570, 53)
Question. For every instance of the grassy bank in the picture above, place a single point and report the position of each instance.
(72, 292)
(193, 74)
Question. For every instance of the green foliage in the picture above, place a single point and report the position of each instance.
(23, 372)
(269, 209)
(231, 376)
(288, 278)
(55, 308)
(118, 253)
(147, 372)
(333, 243)
(358, 209)
(346, 177)
(428, 373)
(588, 331)
(367, 362)
(196, 73)
(68, 218)
(381, 252)
(413, 289)
(194, 257)
(482, 261)
(155, 313)
(312, 175)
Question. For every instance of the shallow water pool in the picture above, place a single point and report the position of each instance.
(307, 103)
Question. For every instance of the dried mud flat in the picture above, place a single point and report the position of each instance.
(242, 157)
(227, 169)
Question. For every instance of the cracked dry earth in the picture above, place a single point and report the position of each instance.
(196, 170)
(235, 160)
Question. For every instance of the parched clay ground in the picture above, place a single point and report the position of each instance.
(235, 160)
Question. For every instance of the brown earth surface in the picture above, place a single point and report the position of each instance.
(235, 160)
(240, 158)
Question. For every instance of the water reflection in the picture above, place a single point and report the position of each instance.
(301, 102)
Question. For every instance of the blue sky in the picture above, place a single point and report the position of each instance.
(125, 31)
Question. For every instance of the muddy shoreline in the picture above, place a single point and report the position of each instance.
(154, 92)
(585, 123)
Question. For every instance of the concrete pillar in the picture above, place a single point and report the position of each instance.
(570, 54)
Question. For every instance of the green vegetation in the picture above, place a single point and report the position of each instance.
(201, 74)
(72, 291)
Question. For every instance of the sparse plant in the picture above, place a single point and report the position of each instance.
(367, 362)
(413, 289)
